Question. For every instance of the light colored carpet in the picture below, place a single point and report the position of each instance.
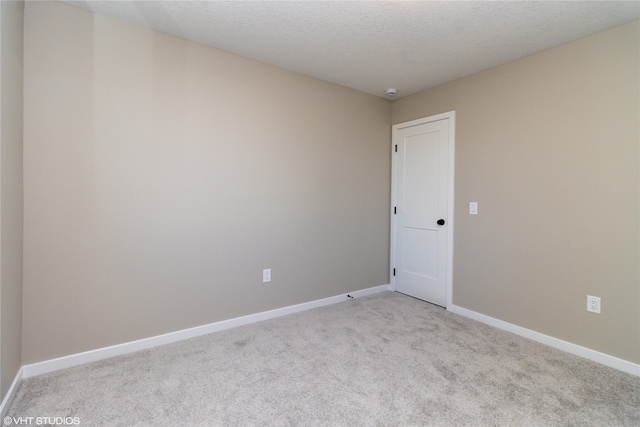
(386, 359)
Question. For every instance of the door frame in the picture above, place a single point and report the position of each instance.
(451, 115)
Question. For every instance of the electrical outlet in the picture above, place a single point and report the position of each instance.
(593, 304)
(266, 275)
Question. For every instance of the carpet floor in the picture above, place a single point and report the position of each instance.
(385, 359)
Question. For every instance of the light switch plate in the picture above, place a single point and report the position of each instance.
(473, 208)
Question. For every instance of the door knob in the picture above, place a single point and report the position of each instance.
(440, 222)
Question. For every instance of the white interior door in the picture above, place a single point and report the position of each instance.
(421, 215)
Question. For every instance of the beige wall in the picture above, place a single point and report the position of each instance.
(161, 177)
(11, 26)
(549, 148)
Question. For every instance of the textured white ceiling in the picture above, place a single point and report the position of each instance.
(373, 45)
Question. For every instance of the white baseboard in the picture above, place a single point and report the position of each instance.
(143, 344)
(587, 353)
(11, 394)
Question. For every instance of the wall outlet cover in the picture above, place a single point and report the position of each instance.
(593, 304)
